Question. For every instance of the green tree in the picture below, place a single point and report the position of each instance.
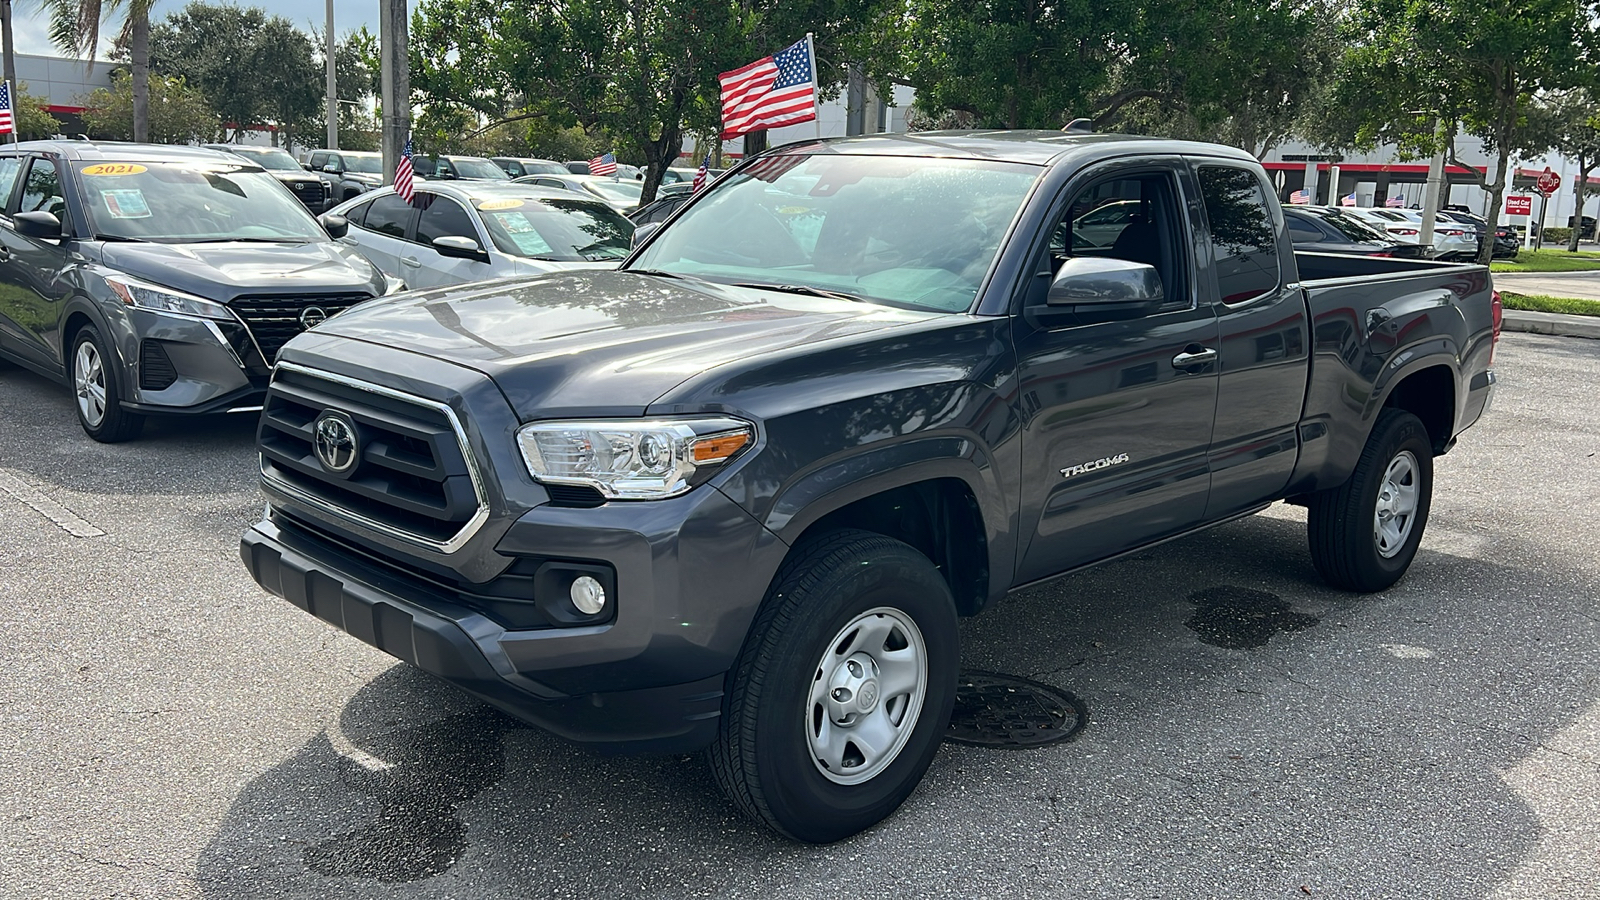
(1574, 117)
(1471, 65)
(75, 28)
(33, 122)
(177, 113)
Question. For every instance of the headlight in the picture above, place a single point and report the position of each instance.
(637, 459)
(142, 295)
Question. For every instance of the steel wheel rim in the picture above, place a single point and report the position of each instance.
(1396, 510)
(866, 695)
(89, 383)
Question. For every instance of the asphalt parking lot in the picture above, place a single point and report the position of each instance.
(167, 730)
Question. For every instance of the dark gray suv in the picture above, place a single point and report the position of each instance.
(154, 279)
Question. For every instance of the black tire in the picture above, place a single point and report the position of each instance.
(763, 756)
(1343, 522)
(116, 424)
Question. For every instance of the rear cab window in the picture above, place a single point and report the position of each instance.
(1244, 242)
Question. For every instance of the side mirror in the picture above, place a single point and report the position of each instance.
(456, 247)
(335, 226)
(1100, 289)
(643, 232)
(42, 225)
(331, 169)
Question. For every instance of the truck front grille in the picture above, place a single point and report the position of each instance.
(311, 193)
(274, 320)
(413, 476)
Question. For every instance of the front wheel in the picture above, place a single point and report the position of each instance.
(97, 388)
(1365, 532)
(843, 691)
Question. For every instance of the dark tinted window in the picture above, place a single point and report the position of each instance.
(41, 192)
(1301, 231)
(358, 213)
(389, 215)
(317, 161)
(1242, 236)
(442, 217)
(1355, 229)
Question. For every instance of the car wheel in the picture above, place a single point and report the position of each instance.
(1365, 532)
(97, 388)
(843, 690)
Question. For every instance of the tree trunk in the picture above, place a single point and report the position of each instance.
(755, 142)
(1496, 191)
(1578, 184)
(140, 51)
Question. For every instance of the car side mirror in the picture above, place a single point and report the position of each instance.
(335, 226)
(41, 225)
(456, 247)
(331, 169)
(643, 232)
(1101, 289)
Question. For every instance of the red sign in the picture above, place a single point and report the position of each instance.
(1548, 182)
(1519, 206)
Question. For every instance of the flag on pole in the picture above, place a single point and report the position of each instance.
(780, 89)
(1300, 198)
(700, 175)
(770, 168)
(8, 119)
(404, 174)
(603, 165)
(1349, 199)
(1395, 202)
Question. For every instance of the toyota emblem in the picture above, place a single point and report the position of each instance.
(335, 443)
(312, 316)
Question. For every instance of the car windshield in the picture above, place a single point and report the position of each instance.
(268, 158)
(479, 169)
(920, 233)
(544, 168)
(187, 202)
(555, 229)
(629, 191)
(1355, 229)
(365, 165)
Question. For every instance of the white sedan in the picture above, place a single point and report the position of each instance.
(474, 231)
(621, 195)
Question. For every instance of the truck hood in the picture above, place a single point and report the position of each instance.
(605, 343)
(224, 270)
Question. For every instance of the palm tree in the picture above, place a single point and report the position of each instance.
(75, 28)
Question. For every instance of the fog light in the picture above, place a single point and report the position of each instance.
(588, 595)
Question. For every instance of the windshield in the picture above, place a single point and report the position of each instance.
(268, 158)
(565, 230)
(479, 169)
(189, 202)
(629, 191)
(914, 232)
(365, 165)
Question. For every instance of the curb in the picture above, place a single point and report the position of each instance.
(1551, 323)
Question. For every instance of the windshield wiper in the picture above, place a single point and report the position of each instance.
(122, 238)
(258, 240)
(801, 289)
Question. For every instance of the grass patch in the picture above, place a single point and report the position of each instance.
(1548, 260)
(1569, 305)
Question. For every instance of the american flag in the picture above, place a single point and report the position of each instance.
(771, 168)
(403, 174)
(780, 89)
(1349, 199)
(700, 176)
(1395, 202)
(8, 122)
(1299, 198)
(603, 165)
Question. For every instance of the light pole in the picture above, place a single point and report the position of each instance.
(333, 87)
(396, 75)
(1430, 197)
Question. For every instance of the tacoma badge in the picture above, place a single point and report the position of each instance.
(1102, 463)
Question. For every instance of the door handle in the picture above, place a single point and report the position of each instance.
(411, 261)
(1189, 359)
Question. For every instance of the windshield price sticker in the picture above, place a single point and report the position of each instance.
(126, 204)
(114, 169)
(500, 204)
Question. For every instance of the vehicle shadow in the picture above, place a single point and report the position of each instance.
(1250, 730)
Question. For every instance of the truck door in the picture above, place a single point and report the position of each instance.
(1264, 359)
(1117, 415)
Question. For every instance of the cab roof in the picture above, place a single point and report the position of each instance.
(1036, 147)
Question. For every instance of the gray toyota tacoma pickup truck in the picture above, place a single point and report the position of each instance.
(736, 494)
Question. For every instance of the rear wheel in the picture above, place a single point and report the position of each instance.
(1365, 532)
(97, 390)
(843, 691)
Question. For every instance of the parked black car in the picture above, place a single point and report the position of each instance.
(1507, 241)
(659, 209)
(347, 173)
(1327, 230)
(736, 494)
(159, 280)
(1587, 233)
(307, 188)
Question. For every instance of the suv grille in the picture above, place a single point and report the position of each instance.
(274, 320)
(311, 193)
(412, 477)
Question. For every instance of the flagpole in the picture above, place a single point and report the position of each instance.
(811, 45)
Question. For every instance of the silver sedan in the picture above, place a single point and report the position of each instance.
(474, 231)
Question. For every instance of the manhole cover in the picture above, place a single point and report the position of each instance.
(994, 710)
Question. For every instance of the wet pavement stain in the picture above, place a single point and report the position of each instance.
(430, 770)
(1239, 618)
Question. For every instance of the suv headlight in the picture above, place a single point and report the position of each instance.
(144, 295)
(632, 459)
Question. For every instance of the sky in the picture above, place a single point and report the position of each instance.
(32, 27)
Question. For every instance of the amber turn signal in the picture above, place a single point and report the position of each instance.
(719, 447)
